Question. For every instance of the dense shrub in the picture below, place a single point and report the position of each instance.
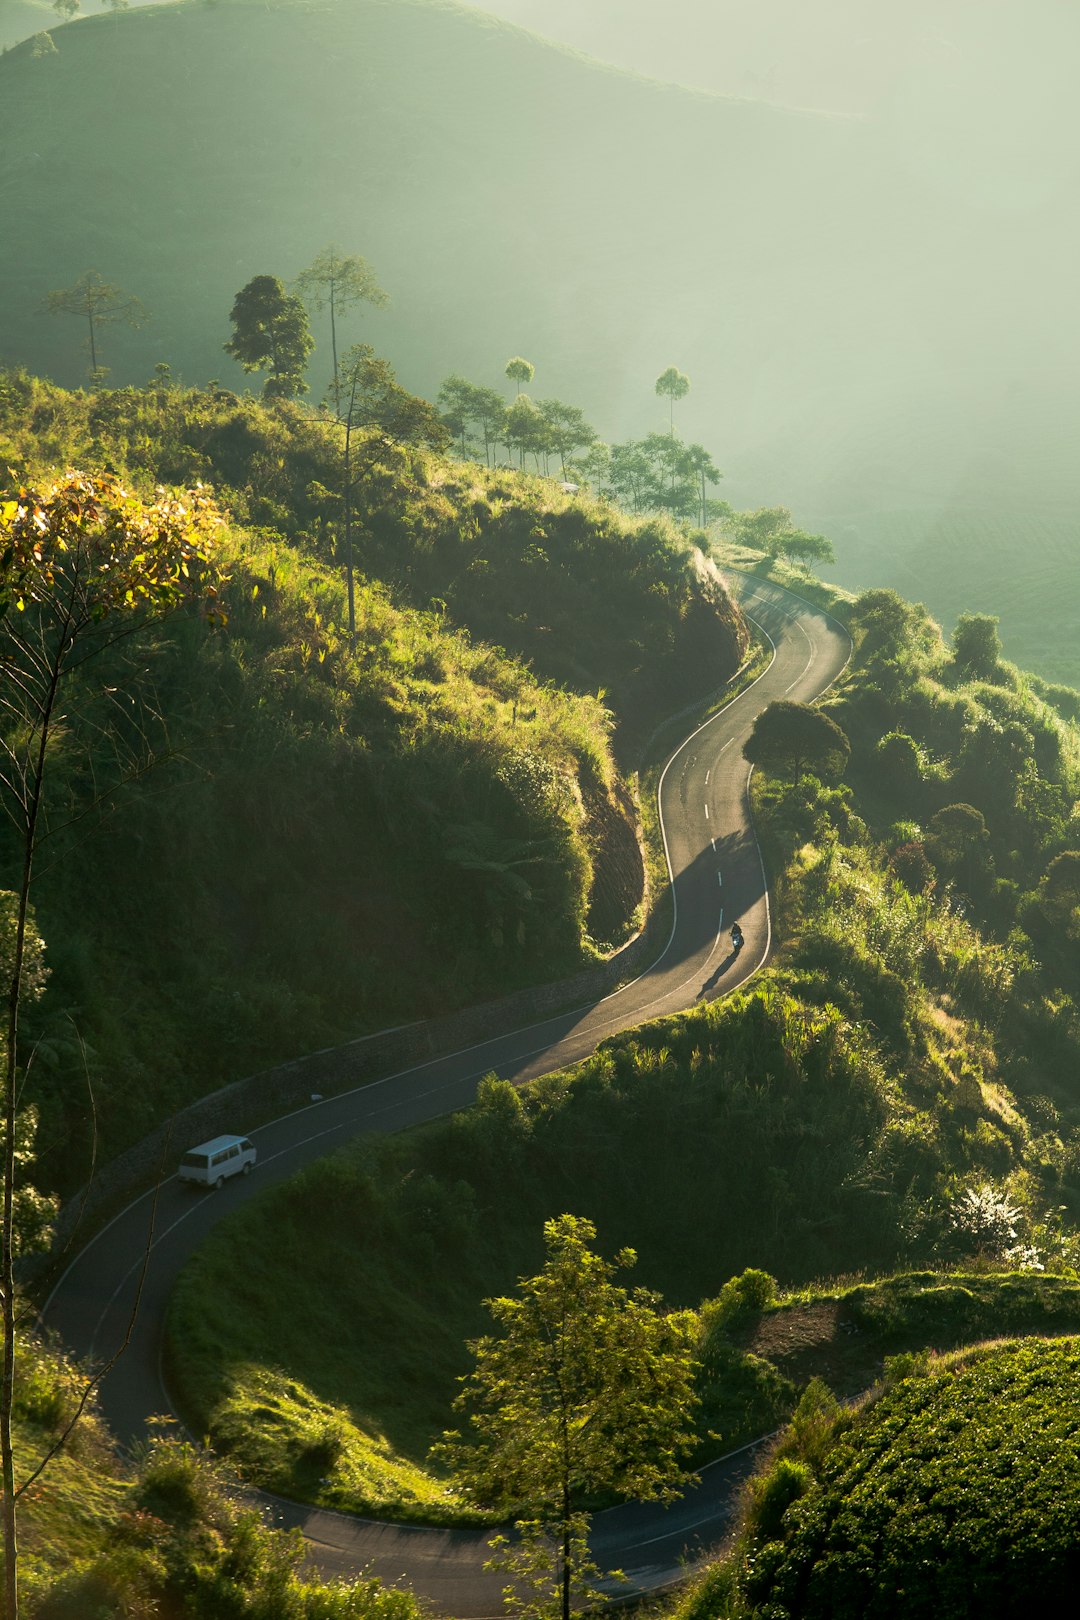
(954, 1494)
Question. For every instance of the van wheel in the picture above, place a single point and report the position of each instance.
(247, 1169)
(219, 1183)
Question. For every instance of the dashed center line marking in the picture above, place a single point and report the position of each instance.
(720, 878)
(707, 775)
(706, 812)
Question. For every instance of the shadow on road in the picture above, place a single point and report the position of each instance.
(712, 982)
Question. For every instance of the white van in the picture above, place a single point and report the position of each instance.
(212, 1163)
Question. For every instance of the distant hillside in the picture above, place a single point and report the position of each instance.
(865, 318)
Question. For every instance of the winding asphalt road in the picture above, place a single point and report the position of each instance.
(717, 876)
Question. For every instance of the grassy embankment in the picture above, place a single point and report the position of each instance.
(162, 1536)
(896, 1092)
(343, 839)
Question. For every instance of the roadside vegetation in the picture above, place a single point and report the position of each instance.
(951, 1489)
(164, 1535)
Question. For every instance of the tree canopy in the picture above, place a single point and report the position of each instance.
(672, 384)
(101, 303)
(587, 1387)
(977, 646)
(271, 333)
(789, 739)
(336, 281)
(520, 371)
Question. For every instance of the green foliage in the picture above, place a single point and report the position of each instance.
(419, 788)
(771, 530)
(271, 333)
(790, 738)
(754, 1095)
(183, 1545)
(673, 384)
(772, 1493)
(520, 371)
(952, 1482)
(977, 647)
(751, 1291)
(168, 1536)
(574, 1356)
(586, 1388)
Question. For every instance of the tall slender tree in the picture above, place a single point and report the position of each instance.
(337, 281)
(701, 464)
(520, 371)
(672, 384)
(83, 565)
(100, 303)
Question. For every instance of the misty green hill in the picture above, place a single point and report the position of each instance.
(876, 316)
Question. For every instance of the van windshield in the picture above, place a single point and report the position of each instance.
(195, 1161)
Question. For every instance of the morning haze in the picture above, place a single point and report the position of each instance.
(873, 296)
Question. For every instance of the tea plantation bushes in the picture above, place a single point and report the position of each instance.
(954, 1494)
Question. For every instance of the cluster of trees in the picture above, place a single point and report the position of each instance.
(659, 473)
(271, 328)
(771, 529)
(479, 418)
(272, 335)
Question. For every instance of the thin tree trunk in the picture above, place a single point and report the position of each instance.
(333, 343)
(348, 528)
(566, 1554)
(7, 1234)
(93, 346)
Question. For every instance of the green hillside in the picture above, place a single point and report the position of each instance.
(858, 323)
(952, 1493)
(898, 1089)
(341, 839)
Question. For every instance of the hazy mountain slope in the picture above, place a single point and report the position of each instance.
(21, 18)
(512, 196)
(875, 322)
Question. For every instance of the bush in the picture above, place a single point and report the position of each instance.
(752, 1291)
(948, 1496)
(773, 1493)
